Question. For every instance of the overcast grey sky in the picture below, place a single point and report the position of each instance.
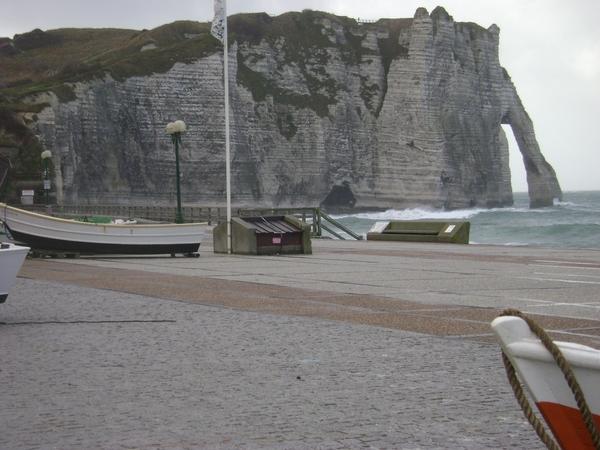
(550, 48)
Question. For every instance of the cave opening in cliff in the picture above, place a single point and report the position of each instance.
(518, 175)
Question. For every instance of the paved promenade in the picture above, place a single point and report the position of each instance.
(361, 345)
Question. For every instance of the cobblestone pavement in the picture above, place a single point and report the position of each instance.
(89, 366)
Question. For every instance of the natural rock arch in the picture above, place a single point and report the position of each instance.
(542, 183)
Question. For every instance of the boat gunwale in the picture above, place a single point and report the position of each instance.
(115, 225)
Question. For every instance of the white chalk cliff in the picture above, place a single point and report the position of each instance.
(394, 114)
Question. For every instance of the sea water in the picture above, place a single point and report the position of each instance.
(574, 222)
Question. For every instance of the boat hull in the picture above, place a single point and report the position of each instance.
(546, 383)
(11, 260)
(42, 232)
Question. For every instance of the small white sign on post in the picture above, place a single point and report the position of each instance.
(47, 184)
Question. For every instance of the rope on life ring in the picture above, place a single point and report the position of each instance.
(567, 371)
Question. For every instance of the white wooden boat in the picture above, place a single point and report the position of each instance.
(11, 260)
(43, 232)
(546, 383)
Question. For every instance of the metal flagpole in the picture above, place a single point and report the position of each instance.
(227, 153)
(219, 30)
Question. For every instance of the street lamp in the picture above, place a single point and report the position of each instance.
(46, 155)
(175, 129)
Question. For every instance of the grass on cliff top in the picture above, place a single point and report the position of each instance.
(41, 55)
(53, 60)
(40, 60)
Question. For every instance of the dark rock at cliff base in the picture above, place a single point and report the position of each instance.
(339, 197)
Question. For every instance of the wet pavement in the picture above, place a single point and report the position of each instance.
(360, 345)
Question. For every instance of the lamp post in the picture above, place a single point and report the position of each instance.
(175, 129)
(46, 155)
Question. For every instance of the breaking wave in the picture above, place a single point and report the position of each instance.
(573, 222)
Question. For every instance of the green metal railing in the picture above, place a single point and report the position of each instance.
(338, 225)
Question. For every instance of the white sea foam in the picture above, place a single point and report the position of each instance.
(419, 214)
(558, 203)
